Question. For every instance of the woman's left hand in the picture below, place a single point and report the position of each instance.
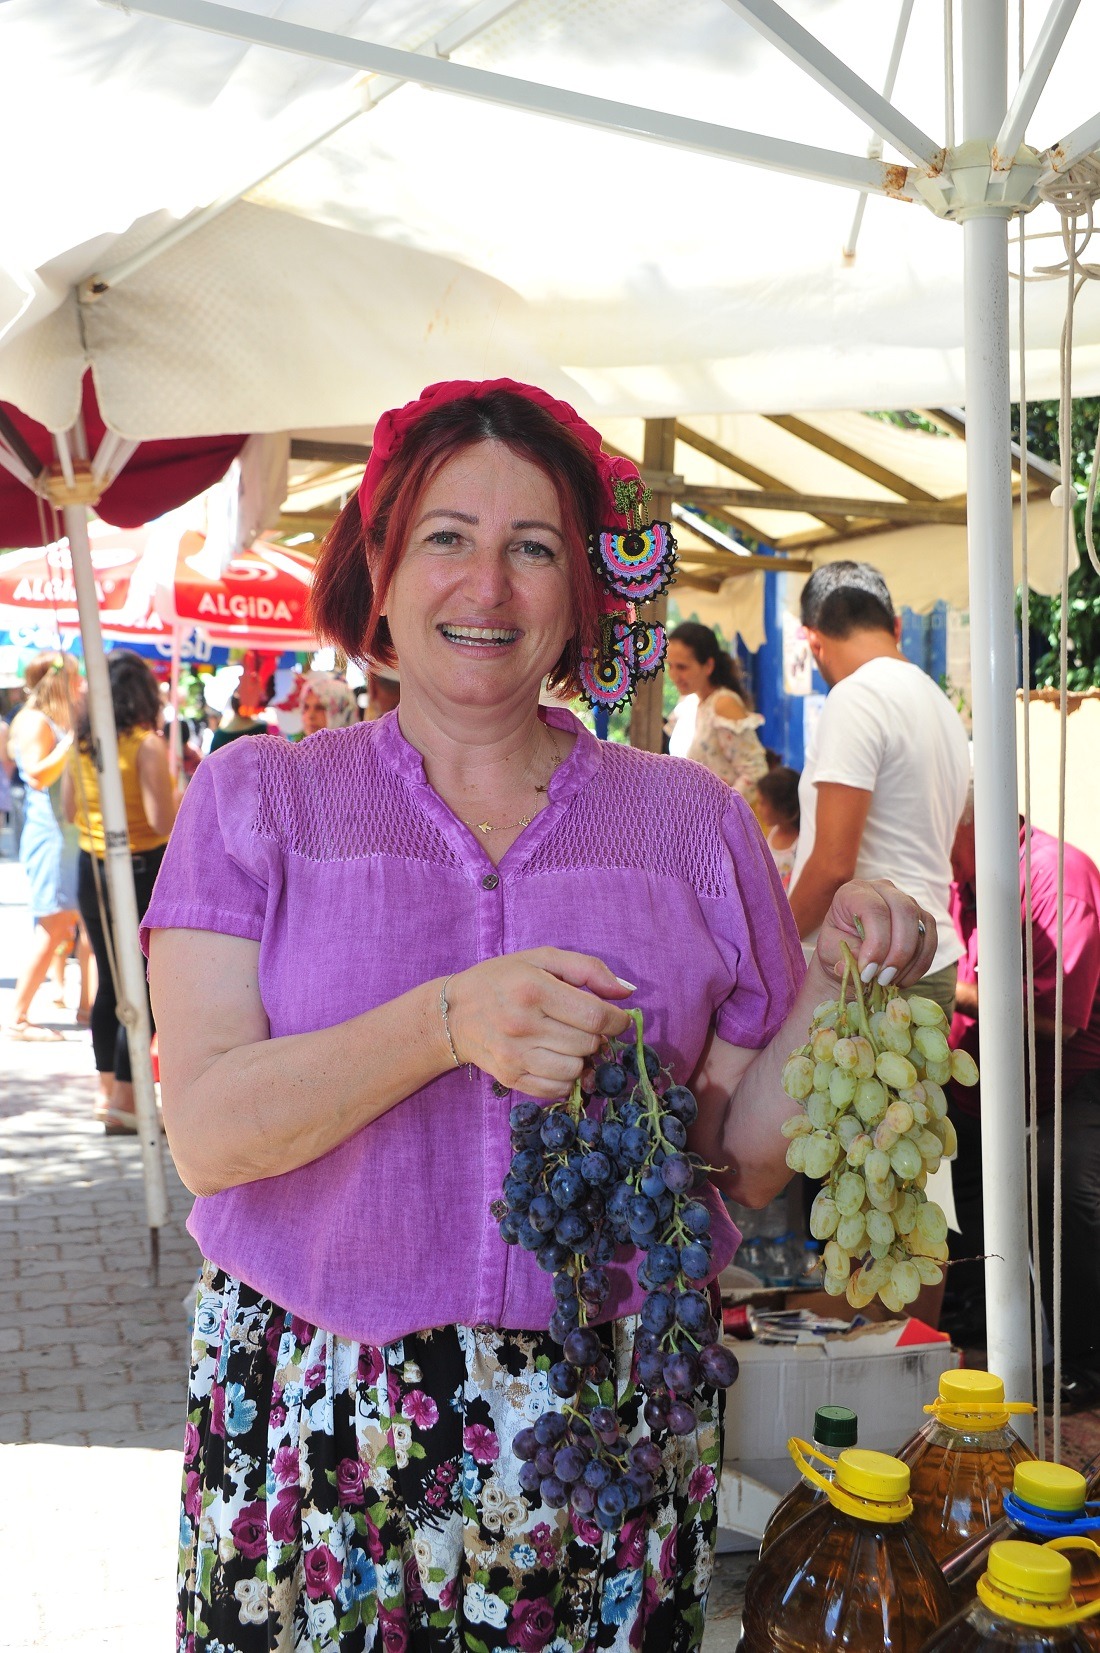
(892, 937)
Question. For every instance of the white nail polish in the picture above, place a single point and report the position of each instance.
(624, 983)
(886, 976)
(868, 971)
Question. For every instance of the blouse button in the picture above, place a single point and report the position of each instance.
(499, 1089)
(490, 881)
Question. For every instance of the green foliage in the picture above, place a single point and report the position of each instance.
(1083, 614)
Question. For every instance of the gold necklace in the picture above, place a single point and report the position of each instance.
(524, 820)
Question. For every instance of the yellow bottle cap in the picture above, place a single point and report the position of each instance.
(1049, 1486)
(1030, 1572)
(973, 1401)
(872, 1475)
(867, 1485)
(959, 1386)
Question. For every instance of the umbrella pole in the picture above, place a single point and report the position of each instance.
(133, 1009)
(993, 651)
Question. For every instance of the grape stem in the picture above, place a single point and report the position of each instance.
(851, 974)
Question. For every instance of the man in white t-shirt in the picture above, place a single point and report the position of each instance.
(886, 777)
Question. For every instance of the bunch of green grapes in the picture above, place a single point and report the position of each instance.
(872, 1126)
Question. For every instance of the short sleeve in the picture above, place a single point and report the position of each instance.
(216, 870)
(1081, 946)
(755, 932)
(850, 737)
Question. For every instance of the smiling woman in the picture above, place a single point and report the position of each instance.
(366, 1346)
(557, 507)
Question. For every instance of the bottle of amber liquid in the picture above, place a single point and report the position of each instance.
(835, 1428)
(1047, 1501)
(963, 1459)
(853, 1573)
(1023, 1605)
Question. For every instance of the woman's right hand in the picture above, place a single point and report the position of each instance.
(530, 1019)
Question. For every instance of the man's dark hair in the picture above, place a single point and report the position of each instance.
(842, 597)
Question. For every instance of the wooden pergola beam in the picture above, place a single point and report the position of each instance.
(741, 467)
(749, 564)
(863, 510)
(849, 456)
(329, 453)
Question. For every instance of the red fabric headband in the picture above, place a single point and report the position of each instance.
(394, 426)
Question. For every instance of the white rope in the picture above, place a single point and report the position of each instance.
(1065, 421)
(949, 73)
(1074, 195)
(1029, 890)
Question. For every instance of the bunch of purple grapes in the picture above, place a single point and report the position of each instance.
(579, 1457)
(605, 1170)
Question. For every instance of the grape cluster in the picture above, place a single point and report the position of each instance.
(593, 1178)
(872, 1126)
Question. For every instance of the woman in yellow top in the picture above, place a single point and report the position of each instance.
(151, 804)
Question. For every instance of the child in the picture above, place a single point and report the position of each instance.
(778, 812)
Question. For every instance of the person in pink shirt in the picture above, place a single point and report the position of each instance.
(1080, 1247)
(363, 950)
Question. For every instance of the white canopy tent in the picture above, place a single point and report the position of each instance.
(500, 215)
(436, 234)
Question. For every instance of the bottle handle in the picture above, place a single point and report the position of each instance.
(864, 1509)
(956, 1413)
(1074, 1541)
(802, 1451)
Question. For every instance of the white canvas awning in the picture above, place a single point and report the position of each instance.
(436, 235)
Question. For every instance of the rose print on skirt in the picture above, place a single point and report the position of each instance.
(344, 1499)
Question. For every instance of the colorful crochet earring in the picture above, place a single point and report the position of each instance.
(635, 563)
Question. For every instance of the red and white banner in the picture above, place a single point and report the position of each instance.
(260, 597)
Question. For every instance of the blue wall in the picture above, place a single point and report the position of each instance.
(923, 641)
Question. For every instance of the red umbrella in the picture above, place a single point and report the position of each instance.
(39, 578)
(156, 478)
(259, 599)
(128, 483)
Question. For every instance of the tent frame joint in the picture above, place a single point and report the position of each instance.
(977, 184)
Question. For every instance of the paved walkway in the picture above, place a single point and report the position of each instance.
(92, 1354)
(93, 1358)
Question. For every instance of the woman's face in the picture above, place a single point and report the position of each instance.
(686, 672)
(313, 713)
(480, 604)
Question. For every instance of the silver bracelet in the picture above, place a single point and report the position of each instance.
(444, 1008)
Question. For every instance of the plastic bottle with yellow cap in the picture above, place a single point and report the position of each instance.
(963, 1459)
(1023, 1605)
(853, 1573)
(1047, 1501)
(835, 1429)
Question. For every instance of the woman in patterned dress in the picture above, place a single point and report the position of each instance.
(714, 723)
(363, 947)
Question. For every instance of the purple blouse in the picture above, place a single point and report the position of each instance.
(358, 883)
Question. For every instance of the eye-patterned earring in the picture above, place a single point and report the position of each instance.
(635, 563)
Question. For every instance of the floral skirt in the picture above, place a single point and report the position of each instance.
(347, 1499)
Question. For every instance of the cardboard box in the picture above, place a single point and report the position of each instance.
(780, 1387)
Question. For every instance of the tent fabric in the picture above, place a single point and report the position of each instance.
(160, 476)
(436, 236)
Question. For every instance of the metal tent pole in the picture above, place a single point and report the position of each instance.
(132, 1007)
(993, 648)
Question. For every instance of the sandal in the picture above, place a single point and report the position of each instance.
(32, 1033)
(116, 1121)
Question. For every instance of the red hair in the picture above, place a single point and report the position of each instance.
(358, 561)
